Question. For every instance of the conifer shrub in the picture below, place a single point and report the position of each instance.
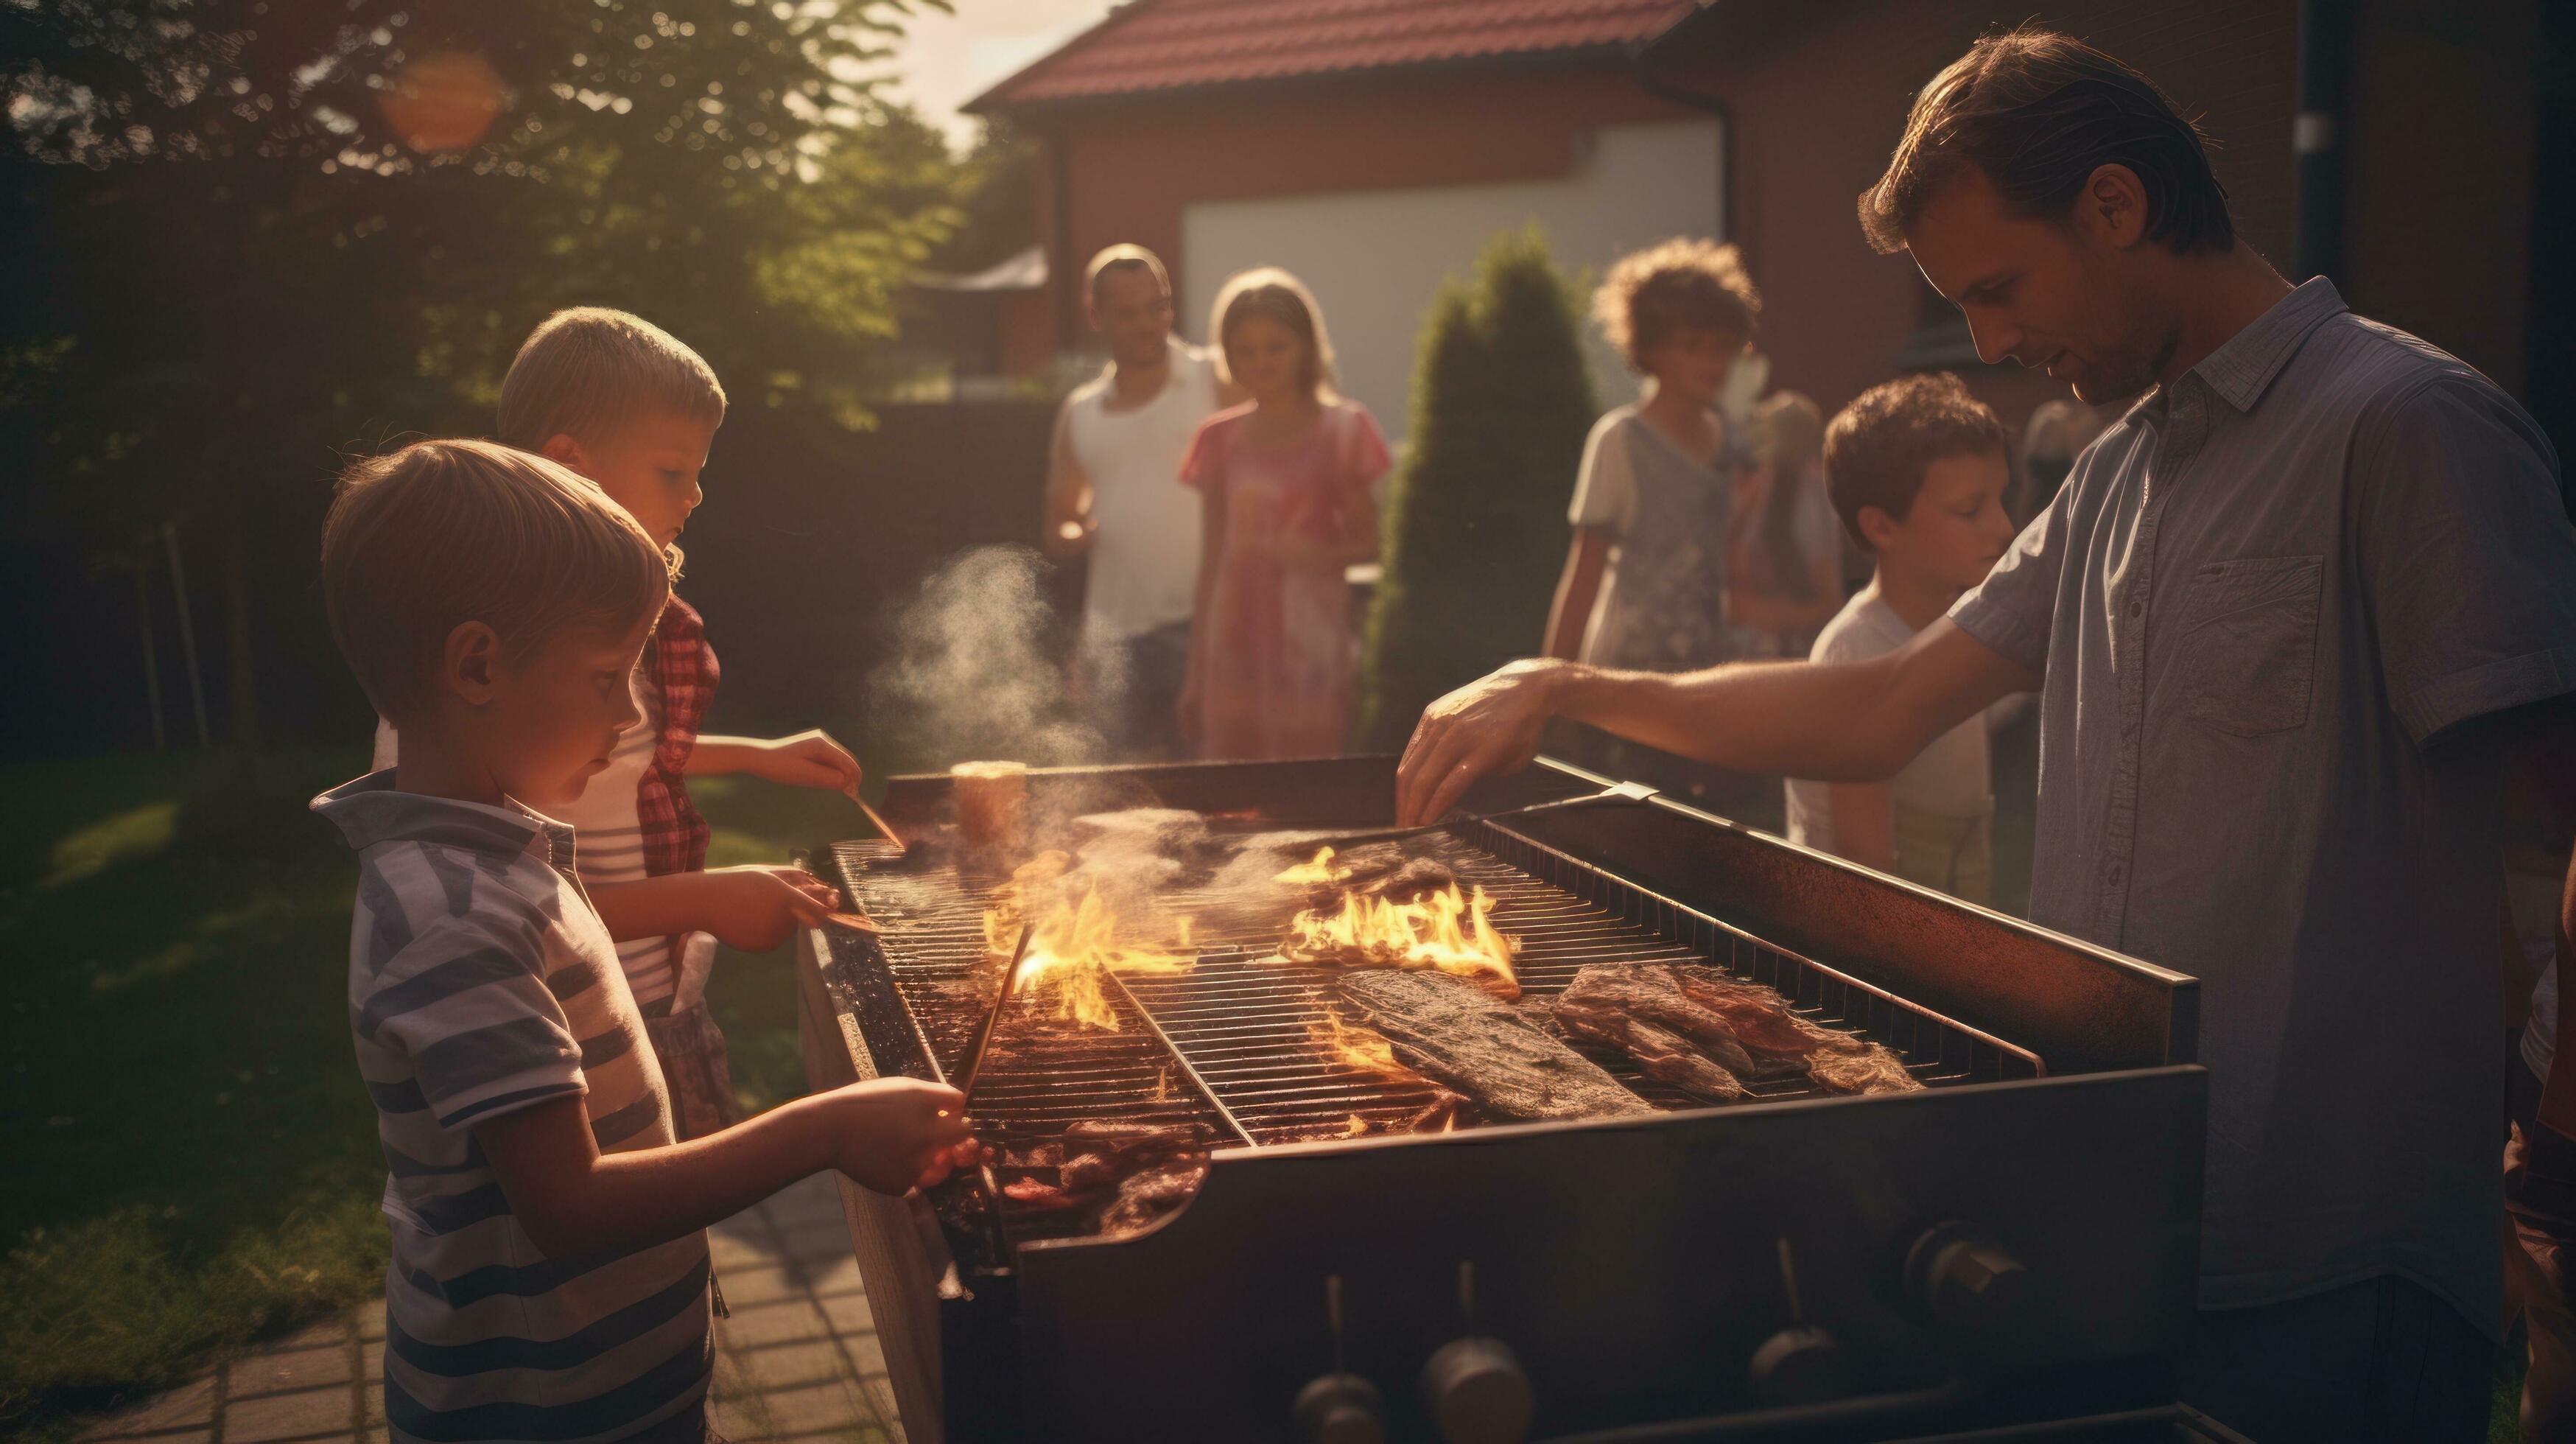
(1475, 530)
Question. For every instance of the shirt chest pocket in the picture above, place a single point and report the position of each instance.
(2247, 658)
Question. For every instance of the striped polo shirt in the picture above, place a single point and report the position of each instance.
(607, 821)
(480, 983)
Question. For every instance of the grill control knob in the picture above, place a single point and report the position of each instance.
(1964, 1279)
(1476, 1393)
(1340, 1409)
(1798, 1365)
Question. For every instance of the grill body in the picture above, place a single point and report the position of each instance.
(1635, 1267)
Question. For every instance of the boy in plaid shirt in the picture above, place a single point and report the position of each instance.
(549, 1272)
(627, 405)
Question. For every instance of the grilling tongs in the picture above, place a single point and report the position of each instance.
(965, 1079)
(1615, 792)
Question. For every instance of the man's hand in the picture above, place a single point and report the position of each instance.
(808, 759)
(756, 908)
(1489, 726)
(897, 1134)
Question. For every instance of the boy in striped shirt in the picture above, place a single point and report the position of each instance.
(549, 1278)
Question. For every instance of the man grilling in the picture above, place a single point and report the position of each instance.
(2289, 618)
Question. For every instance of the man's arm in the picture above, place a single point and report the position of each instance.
(1576, 591)
(1069, 521)
(890, 1135)
(1844, 722)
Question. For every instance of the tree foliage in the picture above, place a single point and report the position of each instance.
(1476, 530)
(248, 235)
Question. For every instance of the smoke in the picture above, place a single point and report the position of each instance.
(976, 669)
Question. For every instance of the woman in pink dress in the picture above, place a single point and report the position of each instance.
(1283, 484)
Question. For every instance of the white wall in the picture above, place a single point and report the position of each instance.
(1375, 258)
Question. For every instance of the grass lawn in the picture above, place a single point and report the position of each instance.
(192, 1163)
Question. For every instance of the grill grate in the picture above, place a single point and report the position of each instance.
(1242, 1062)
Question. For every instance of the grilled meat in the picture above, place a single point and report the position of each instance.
(1661, 1052)
(1871, 1069)
(1412, 882)
(1448, 1029)
(1650, 993)
(1034, 1193)
(1141, 1141)
(1147, 1196)
(1759, 1016)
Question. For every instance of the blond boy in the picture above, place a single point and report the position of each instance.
(549, 1277)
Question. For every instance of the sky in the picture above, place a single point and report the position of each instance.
(950, 59)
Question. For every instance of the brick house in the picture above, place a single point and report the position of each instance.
(1371, 145)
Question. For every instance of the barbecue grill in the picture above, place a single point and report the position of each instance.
(2014, 1243)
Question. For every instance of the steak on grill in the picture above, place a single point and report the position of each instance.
(1759, 1016)
(1660, 1051)
(1872, 1069)
(1649, 992)
(1451, 1030)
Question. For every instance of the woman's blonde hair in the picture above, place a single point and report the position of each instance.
(1270, 292)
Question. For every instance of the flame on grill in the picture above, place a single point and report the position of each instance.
(1360, 1048)
(1075, 943)
(1318, 873)
(1445, 929)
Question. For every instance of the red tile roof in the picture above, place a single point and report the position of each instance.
(1147, 46)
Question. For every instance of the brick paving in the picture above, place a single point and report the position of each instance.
(799, 1359)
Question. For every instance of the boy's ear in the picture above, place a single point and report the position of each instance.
(466, 666)
(1877, 526)
(562, 450)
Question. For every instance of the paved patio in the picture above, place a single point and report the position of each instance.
(798, 1360)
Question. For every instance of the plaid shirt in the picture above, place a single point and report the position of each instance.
(684, 668)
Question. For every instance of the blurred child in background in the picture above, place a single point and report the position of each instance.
(1284, 489)
(1645, 579)
(1785, 566)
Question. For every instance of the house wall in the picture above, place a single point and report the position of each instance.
(1376, 258)
(1129, 172)
(1816, 104)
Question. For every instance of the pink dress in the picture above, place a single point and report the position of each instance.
(1275, 648)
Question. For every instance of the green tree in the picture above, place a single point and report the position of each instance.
(1476, 529)
(246, 236)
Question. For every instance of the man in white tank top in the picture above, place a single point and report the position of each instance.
(1114, 494)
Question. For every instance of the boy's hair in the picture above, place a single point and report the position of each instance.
(442, 533)
(1273, 293)
(1878, 448)
(1124, 257)
(2038, 112)
(585, 372)
(1649, 294)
